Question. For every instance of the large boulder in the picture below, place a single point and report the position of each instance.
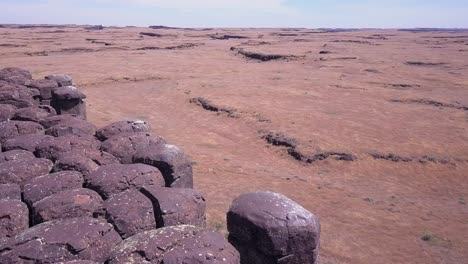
(176, 206)
(267, 227)
(43, 186)
(130, 212)
(173, 245)
(68, 100)
(115, 178)
(7, 111)
(33, 113)
(11, 129)
(84, 161)
(17, 95)
(14, 218)
(60, 79)
(20, 171)
(76, 127)
(44, 86)
(15, 155)
(53, 148)
(175, 166)
(122, 127)
(67, 204)
(10, 191)
(15, 75)
(25, 142)
(81, 238)
(123, 146)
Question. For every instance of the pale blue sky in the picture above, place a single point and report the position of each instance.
(240, 13)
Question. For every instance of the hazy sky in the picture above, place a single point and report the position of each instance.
(240, 13)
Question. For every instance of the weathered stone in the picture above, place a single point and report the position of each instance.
(78, 262)
(6, 112)
(76, 127)
(84, 161)
(55, 120)
(176, 206)
(122, 127)
(124, 146)
(33, 113)
(14, 218)
(11, 129)
(20, 171)
(60, 79)
(44, 86)
(130, 212)
(174, 165)
(15, 75)
(10, 191)
(81, 238)
(40, 187)
(68, 100)
(53, 148)
(173, 245)
(268, 227)
(16, 95)
(67, 204)
(116, 178)
(25, 142)
(16, 154)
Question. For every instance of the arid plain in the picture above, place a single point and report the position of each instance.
(374, 123)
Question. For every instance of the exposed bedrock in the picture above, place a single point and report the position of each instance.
(175, 244)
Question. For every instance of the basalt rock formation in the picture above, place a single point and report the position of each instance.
(73, 193)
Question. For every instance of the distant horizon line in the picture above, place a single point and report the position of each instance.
(216, 27)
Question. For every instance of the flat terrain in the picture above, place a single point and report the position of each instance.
(381, 114)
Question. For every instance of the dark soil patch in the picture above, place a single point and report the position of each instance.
(225, 37)
(181, 46)
(354, 42)
(261, 56)
(421, 63)
(398, 158)
(208, 105)
(150, 34)
(276, 138)
(431, 103)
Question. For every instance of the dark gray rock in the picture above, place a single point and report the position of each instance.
(15, 75)
(20, 171)
(67, 204)
(11, 129)
(267, 227)
(40, 187)
(25, 142)
(112, 179)
(84, 161)
(6, 112)
(78, 262)
(76, 127)
(53, 148)
(16, 95)
(124, 146)
(175, 166)
(44, 86)
(176, 206)
(10, 191)
(120, 127)
(14, 218)
(81, 238)
(130, 212)
(16, 155)
(173, 245)
(68, 100)
(55, 120)
(60, 79)
(33, 113)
